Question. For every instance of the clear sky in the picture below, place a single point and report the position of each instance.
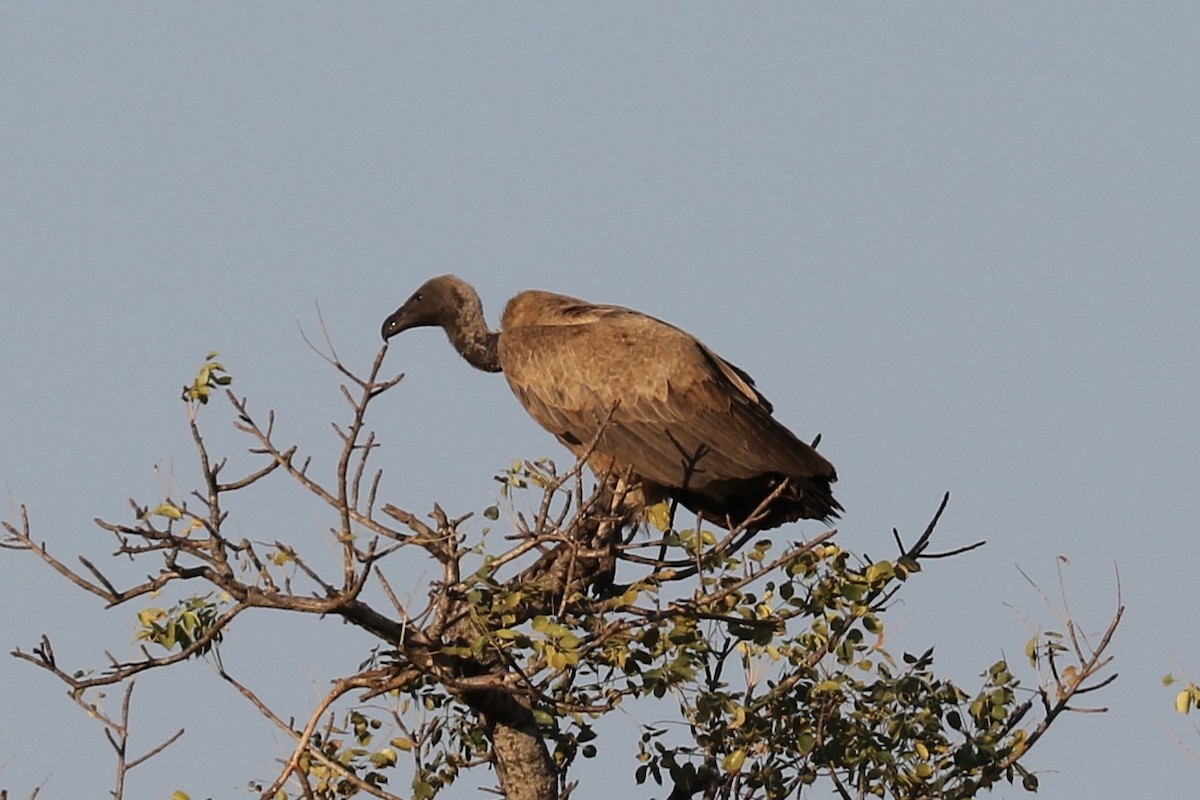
(959, 240)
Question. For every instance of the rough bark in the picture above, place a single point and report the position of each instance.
(523, 764)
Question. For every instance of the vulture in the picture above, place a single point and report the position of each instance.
(640, 398)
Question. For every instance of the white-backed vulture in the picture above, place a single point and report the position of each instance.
(683, 421)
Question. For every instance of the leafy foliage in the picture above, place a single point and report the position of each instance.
(189, 622)
(210, 378)
(1186, 698)
(772, 654)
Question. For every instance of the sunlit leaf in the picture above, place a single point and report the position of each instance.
(384, 758)
(169, 511)
(148, 616)
(659, 515)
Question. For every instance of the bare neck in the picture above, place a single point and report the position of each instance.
(473, 341)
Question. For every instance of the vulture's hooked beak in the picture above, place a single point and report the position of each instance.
(393, 325)
(418, 311)
(397, 322)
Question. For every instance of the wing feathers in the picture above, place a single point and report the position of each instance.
(667, 398)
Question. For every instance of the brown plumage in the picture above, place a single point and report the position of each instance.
(686, 423)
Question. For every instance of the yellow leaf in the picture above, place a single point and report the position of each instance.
(733, 761)
(659, 515)
(921, 749)
(178, 795)
(1183, 702)
(739, 718)
(878, 570)
(148, 616)
(402, 744)
(169, 511)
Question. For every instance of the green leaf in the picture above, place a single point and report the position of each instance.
(734, 761)
(879, 571)
(384, 758)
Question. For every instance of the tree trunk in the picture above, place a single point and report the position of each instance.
(522, 761)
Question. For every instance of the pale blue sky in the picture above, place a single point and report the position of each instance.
(957, 239)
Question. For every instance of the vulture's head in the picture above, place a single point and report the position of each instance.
(442, 301)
